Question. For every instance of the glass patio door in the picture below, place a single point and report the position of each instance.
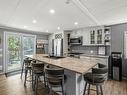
(13, 58)
(17, 46)
(29, 45)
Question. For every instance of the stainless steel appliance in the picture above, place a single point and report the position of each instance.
(57, 47)
(116, 66)
(76, 41)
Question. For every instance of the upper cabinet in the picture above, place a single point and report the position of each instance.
(99, 35)
(92, 37)
(84, 33)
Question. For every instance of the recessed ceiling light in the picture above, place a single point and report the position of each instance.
(67, 2)
(47, 31)
(25, 26)
(58, 28)
(34, 21)
(52, 11)
(76, 23)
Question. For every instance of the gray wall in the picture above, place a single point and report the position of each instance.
(117, 42)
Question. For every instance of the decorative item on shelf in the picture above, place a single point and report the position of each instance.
(40, 45)
(107, 37)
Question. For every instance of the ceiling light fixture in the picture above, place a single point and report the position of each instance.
(76, 23)
(52, 11)
(67, 2)
(47, 31)
(25, 26)
(58, 28)
(34, 21)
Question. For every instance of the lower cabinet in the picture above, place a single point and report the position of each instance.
(103, 61)
(97, 59)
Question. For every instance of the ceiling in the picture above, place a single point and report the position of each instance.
(21, 13)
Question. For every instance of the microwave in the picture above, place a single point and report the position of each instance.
(76, 41)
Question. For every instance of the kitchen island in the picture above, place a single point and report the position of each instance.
(74, 70)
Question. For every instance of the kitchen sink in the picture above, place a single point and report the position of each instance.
(54, 57)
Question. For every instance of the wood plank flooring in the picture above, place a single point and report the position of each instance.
(13, 85)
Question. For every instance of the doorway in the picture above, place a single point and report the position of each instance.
(17, 45)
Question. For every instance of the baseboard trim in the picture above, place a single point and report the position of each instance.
(13, 73)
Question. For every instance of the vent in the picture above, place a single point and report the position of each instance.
(58, 36)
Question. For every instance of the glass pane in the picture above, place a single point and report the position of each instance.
(13, 52)
(28, 45)
(1, 52)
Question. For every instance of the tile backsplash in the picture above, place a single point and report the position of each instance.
(90, 50)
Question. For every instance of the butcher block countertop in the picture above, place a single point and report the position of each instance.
(80, 66)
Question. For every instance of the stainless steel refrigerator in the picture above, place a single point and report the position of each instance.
(57, 47)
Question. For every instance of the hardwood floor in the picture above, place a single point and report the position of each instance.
(13, 85)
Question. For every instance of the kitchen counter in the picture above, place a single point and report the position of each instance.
(80, 66)
(74, 70)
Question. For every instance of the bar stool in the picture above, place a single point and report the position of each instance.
(26, 62)
(97, 78)
(55, 78)
(37, 72)
(27, 67)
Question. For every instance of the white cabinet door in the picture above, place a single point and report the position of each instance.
(101, 40)
(99, 36)
(86, 38)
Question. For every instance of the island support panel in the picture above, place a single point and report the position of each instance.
(74, 84)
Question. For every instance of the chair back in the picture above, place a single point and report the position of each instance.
(38, 67)
(100, 74)
(27, 62)
(55, 76)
